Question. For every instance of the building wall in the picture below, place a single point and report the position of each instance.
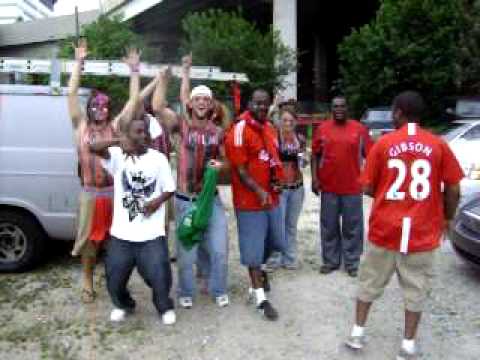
(12, 11)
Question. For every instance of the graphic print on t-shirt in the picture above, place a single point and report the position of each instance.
(137, 187)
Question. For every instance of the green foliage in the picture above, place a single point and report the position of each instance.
(468, 66)
(226, 39)
(107, 38)
(411, 44)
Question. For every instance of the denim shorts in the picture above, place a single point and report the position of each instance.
(259, 234)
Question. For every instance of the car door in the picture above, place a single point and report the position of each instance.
(467, 146)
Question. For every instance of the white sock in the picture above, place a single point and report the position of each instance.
(408, 345)
(358, 330)
(259, 295)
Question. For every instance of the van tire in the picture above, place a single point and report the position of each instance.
(30, 236)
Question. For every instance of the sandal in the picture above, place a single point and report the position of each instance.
(88, 296)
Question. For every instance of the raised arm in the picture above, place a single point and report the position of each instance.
(74, 83)
(126, 115)
(159, 95)
(100, 147)
(185, 87)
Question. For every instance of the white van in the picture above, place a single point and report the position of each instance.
(39, 185)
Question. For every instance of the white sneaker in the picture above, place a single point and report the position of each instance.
(186, 302)
(118, 315)
(222, 300)
(169, 317)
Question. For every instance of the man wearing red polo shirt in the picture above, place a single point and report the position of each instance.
(251, 146)
(404, 174)
(338, 148)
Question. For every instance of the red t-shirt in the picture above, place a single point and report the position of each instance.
(244, 145)
(406, 169)
(341, 149)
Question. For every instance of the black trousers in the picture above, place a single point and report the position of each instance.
(153, 264)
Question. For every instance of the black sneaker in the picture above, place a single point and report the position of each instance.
(268, 311)
(326, 269)
(266, 282)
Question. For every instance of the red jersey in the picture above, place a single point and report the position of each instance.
(405, 170)
(245, 145)
(198, 145)
(341, 149)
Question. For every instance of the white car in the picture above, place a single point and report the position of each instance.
(464, 140)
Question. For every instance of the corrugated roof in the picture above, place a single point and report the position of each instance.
(50, 29)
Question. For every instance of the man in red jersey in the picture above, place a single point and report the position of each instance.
(404, 174)
(338, 149)
(251, 146)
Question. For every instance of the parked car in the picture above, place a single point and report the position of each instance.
(458, 108)
(378, 120)
(39, 185)
(465, 232)
(464, 139)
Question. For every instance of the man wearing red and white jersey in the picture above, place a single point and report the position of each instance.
(404, 174)
(251, 146)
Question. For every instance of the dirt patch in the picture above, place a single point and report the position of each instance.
(42, 317)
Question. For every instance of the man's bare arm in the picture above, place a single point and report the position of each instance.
(160, 92)
(100, 147)
(155, 204)
(253, 186)
(313, 169)
(185, 86)
(74, 108)
(451, 199)
(126, 115)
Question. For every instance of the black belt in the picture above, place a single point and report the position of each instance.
(293, 187)
(189, 198)
(186, 197)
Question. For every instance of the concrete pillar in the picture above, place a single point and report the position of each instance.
(320, 71)
(285, 21)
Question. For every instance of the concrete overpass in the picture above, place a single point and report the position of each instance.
(312, 27)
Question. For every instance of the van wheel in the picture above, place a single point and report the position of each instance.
(22, 242)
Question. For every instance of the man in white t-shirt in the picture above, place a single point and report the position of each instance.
(143, 182)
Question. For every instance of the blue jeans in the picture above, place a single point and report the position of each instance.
(213, 251)
(291, 202)
(153, 264)
(343, 242)
(259, 234)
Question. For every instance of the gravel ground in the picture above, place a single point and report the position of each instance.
(42, 317)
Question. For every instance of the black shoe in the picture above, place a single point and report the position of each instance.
(352, 273)
(266, 282)
(325, 269)
(268, 310)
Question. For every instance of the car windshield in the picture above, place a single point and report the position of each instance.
(379, 116)
(468, 108)
(454, 130)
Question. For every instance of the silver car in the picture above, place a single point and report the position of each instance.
(463, 136)
(39, 185)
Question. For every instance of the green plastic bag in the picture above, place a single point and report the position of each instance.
(195, 221)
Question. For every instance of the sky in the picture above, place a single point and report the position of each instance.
(67, 7)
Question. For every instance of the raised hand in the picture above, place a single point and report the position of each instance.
(165, 73)
(81, 50)
(132, 59)
(187, 62)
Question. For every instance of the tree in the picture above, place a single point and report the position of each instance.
(468, 66)
(411, 44)
(107, 38)
(226, 39)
